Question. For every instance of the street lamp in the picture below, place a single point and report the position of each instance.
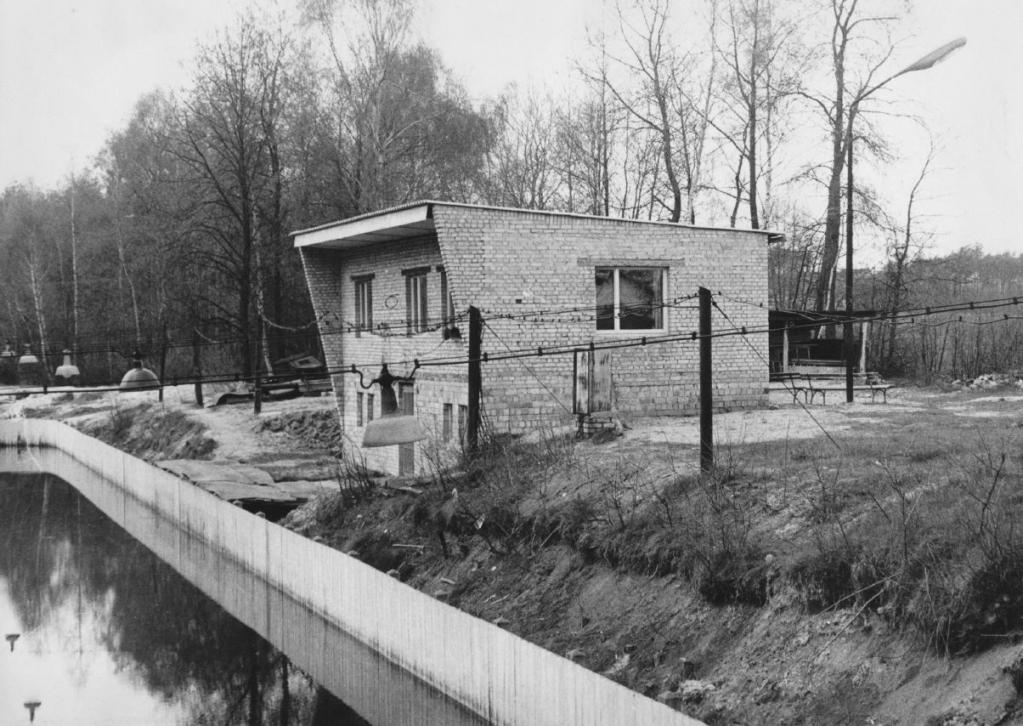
(931, 59)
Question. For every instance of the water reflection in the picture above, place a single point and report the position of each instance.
(101, 631)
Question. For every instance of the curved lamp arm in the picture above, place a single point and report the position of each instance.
(386, 378)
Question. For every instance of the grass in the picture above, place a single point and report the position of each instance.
(152, 432)
(924, 535)
(913, 520)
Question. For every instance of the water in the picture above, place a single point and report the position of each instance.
(108, 633)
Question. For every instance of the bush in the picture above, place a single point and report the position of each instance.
(120, 422)
(965, 612)
(735, 576)
(938, 552)
(825, 579)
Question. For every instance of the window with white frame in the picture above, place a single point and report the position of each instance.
(363, 302)
(463, 416)
(630, 298)
(370, 403)
(416, 311)
(447, 307)
(448, 423)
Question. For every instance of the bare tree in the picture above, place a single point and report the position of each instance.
(229, 140)
(669, 102)
(397, 127)
(763, 65)
(905, 244)
(522, 164)
(30, 253)
(589, 139)
(849, 27)
(74, 265)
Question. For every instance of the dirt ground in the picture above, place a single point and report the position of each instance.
(776, 662)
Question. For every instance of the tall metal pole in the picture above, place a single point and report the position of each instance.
(847, 328)
(472, 419)
(928, 61)
(706, 397)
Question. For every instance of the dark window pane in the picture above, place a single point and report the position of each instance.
(424, 315)
(640, 297)
(445, 317)
(605, 298)
(447, 421)
(415, 303)
(363, 305)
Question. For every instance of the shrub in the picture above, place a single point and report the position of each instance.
(824, 579)
(735, 576)
(120, 422)
(964, 612)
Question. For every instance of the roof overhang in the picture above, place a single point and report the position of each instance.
(375, 228)
(416, 220)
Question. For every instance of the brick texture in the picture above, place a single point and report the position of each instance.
(526, 265)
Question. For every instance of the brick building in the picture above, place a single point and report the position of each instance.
(394, 286)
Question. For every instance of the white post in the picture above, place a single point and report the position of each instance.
(864, 331)
(785, 349)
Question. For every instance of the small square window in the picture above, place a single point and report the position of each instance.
(630, 298)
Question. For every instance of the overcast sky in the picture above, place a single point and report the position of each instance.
(71, 70)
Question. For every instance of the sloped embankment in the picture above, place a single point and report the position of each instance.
(873, 580)
(152, 433)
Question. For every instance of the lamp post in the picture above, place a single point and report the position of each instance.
(931, 59)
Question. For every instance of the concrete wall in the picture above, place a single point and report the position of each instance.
(497, 675)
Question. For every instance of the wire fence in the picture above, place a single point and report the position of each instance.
(186, 357)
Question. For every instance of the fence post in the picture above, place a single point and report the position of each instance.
(472, 422)
(706, 397)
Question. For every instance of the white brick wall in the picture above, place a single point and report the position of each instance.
(520, 263)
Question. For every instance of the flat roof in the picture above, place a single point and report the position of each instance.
(415, 219)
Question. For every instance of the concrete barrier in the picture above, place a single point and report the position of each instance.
(496, 675)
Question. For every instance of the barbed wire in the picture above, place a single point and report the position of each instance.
(539, 380)
(635, 340)
(787, 384)
(382, 329)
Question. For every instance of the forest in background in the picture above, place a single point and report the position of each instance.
(174, 240)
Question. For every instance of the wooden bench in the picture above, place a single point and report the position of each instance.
(814, 388)
(811, 386)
